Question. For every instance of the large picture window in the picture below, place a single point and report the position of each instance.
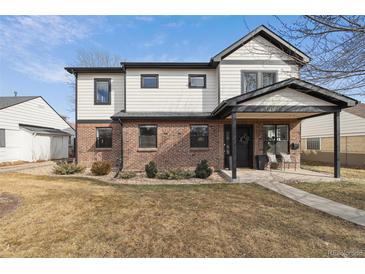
(199, 136)
(104, 137)
(276, 139)
(148, 136)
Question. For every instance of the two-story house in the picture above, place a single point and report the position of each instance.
(246, 101)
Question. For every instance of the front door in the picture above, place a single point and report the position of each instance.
(244, 146)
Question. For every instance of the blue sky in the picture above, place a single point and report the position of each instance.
(34, 50)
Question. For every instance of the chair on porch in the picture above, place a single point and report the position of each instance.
(287, 159)
(271, 159)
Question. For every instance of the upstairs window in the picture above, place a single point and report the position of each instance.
(149, 81)
(148, 136)
(102, 91)
(2, 137)
(252, 80)
(199, 136)
(276, 139)
(197, 81)
(249, 81)
(104, 137)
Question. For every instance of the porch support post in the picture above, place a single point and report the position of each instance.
(336, 145)
(234, 145)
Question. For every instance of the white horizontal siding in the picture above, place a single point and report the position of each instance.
(173, 93)
(18, 143)
(86, 109)
(287, 97)
(230, 76)
(322, 126)
(33, 112)
(258, 49)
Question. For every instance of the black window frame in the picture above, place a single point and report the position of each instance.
(139, 136)
(191, 136)
(198, 75)
(310, 142)
(275, 138)
(259, 78)
(96, 138)
(109, 80)
(3, 134)
(150, 75)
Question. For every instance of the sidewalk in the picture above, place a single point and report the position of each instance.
(345, 212)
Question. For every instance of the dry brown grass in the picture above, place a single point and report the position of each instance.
(346, 172)
(67, 217)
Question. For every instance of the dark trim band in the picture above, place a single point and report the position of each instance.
(95, 121)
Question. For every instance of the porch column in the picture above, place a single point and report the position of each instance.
(336, 144)
(234, 145)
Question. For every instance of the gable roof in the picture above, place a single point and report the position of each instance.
(8, 101)
(342, 101)
(44, 130)
(272, 37)
(358, 110)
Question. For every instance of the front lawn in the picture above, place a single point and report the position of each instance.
(346, 172)
(67, 217)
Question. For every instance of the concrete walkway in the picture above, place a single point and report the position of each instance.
(348, 213)
(16, 168)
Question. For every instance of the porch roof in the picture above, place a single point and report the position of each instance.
(326, 101)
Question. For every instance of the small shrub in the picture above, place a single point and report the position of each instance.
(100, 168)
(176, 174)
(203, 170)
(151, 169)
(64, 168)
(127, 175)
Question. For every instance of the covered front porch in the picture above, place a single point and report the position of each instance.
(272, 117)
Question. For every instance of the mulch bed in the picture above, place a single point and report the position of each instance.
(8, 203)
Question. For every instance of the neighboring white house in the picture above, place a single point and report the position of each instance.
(31, 130)
(317, 137)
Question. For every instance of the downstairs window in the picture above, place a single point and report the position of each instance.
(276, 139)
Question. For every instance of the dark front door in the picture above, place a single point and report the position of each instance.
(244, 146)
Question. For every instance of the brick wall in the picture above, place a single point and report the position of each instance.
(87, 152)
(173, 145)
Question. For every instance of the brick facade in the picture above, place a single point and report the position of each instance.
(87, 153)
(173, 143)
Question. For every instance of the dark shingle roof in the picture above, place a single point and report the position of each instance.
(161, 115)
(8, 101)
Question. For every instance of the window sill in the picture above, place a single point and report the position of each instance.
(103, 148)
(199, 148)
(147, 149)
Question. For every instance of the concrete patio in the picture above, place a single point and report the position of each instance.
(246, 175)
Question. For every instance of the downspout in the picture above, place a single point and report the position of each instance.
(120, 162)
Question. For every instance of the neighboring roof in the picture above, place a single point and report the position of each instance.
(161, 115)
(271, 37)
(74, 70)
(297, 84)
(44, 130)
(358, 110)
(8, 101)
(182, 65)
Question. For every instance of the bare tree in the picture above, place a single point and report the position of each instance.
(91, 58)
(337, 47)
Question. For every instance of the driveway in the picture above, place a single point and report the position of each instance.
(21, 167)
